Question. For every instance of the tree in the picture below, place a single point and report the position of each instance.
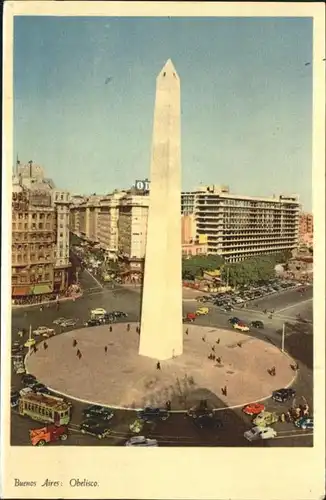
(196, 265)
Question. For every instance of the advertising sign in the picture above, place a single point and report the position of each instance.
(142, 185)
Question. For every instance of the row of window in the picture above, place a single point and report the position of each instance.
(22, 279)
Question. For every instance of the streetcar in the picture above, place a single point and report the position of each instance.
(45, 408)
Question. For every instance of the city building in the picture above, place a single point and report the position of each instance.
(238, 227)
(191, 243)
(40, 234)
(132, 230)
(108, 223)
(188, 202)
(306, 229)
(33, 243)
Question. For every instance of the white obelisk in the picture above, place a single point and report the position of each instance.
(161, 334)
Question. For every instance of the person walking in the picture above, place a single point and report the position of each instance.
(218, 360)
(110, 329)
(168, 405)
(158, 365)
(74, 343)
(187, 331)
(213, 348)
(45, 346)
(128, 328)
(218, 341)
(78, 353)
(106, 349)
(225, 391)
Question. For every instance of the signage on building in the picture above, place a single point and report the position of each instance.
(142, 185)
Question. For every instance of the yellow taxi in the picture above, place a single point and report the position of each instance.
(30, 343)
(202, 311)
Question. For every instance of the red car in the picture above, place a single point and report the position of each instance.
(253, 409)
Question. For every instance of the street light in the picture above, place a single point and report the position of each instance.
(283, 335)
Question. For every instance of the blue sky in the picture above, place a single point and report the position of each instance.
(245, 89)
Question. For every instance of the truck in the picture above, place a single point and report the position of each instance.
(190, 317)
(48, 434)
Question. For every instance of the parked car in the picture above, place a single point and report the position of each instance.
(253, 409)
(283, 395)
(141, 441)
(305, 423)
(201, 311)
(260, 433)
(150, 413)
(265, 418)
(98, 428)
(48, 434)
(95, 411)
(227, 308)
(40, 388)
(257, 324)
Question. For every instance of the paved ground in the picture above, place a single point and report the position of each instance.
(178, 431)
(122, 378)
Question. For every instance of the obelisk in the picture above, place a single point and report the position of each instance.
(161, 333)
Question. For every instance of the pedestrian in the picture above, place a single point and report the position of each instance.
(218, 341)
(218, 360)
(213, 348)
(128, 328)
(187, 331)
(158, 365)
(213, 357)
(79, 355)
(45, 346)
(239, 344)
(168, 405)
(225, 391)
(106, 349)
(78, 352)
(35, 348)
(110, 329)
(74, 343)
(41, 308)
(203, 339)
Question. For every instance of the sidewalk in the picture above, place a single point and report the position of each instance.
(77, 296)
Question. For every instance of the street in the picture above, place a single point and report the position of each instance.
(178, 430)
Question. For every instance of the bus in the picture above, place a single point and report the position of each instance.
(45, 408)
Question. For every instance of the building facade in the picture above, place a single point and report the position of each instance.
(132, 229)
(40, 234)
(238, 227)
(306, 229)
(33, 243)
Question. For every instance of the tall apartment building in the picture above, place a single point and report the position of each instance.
(61, 203)
(132, 227)
(33, 242)
(238, 226)
(40, 234)
(108, 223)
(306, 229)
(188, 202)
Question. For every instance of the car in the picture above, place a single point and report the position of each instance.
(41, 330)
(24, 391)
(265, 418)
(69, 322)
(141, 441)
(20, 370)
(17, 358)
(257, 324)
(234, 320)
(202, 298)
(30, 342)
(282, 395)
(101, 412)
(151, 413)
(58, 321)
(253, 409)
(227, 308)
(137, 426)
(14, 399)
(28, 377)
(48, 434)
(98, 311)
(201, 311)
(241, 326)
(97, 428)
(260, 433)
(17, 349)
(119, 314)
(305, 423)
(93, 322)
(40, 388)
(207, 422)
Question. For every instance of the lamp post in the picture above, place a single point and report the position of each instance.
(283, 335)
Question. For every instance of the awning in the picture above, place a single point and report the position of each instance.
(18, 291)
(38, 289)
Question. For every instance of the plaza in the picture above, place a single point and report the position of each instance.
(118, 377)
